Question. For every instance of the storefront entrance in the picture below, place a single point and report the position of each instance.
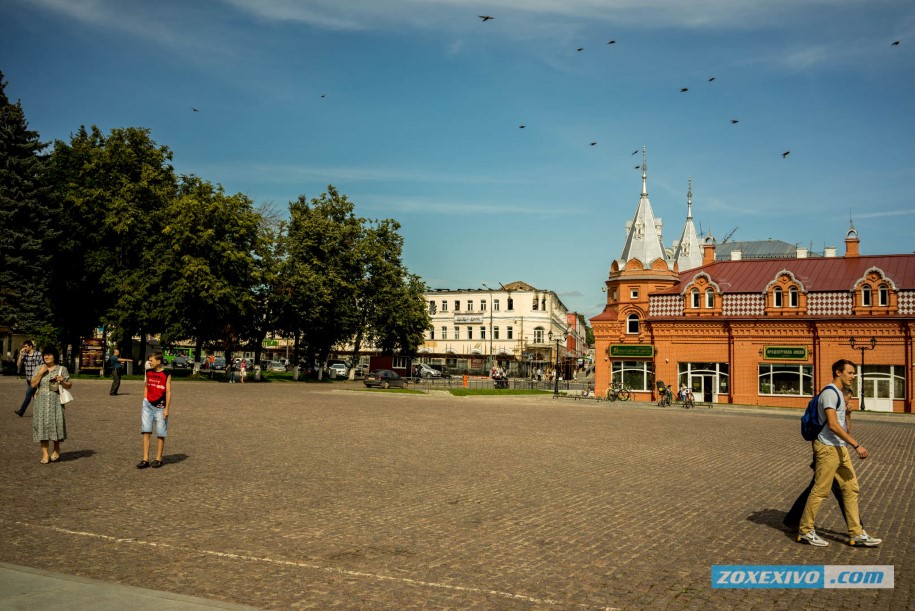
(703, 388)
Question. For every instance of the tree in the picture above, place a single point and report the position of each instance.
(207, 266)
(321, 271)
(27, 237)
(114, 192)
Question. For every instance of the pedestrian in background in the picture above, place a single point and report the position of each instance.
(31, 360)
(48, 421)
(114, 363)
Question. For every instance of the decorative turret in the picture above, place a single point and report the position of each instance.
(643, 240)
(689, 252)
(851, 241)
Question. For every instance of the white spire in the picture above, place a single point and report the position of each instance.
(689, 252)
(643, 241)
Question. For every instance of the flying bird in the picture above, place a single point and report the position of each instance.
(522, 126)
(785, 154)
(194, 109)
(734, 121)
(637, 167)
(580, 49)
(485, 17)
(711, 79)
(895, 43)
(593, 143)
(684, 89)
(612, 42)
(634, 152)
(323, 95)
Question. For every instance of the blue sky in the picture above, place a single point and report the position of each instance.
(423, 101)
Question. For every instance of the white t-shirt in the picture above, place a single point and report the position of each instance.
(831, 397)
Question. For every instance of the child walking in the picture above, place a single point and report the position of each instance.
(157, 398)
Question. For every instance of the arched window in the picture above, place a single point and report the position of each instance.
(793, 297)
(777, 297)
(632, 324)
(694, 296)
(865, 295)
(538, 335)
(709, 298)
(884, 295)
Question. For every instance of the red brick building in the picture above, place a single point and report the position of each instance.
(756, 332)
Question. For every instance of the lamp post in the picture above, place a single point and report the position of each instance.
(556, 370)
(862, 347)
(491, 364)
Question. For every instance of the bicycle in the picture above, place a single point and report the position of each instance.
(686, 400)
(617, 391)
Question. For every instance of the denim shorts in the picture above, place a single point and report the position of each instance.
(155, 415)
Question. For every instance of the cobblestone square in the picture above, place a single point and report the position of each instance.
(324, 496)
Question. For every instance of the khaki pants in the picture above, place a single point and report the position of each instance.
(833, 463)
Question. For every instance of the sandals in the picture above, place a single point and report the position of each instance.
(54, 457)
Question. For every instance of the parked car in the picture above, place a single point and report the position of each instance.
(276, 366)
(385, 378)
(425, 371)
(362, 370)
(219, 364)
(441, 369)
(340, 370)
(180, 362)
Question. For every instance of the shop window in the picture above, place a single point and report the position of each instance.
(634, 375)
(632, 324)
(883, 295)
(793, 297)
(694, 298)
(866, 295)
(709, 298)
(782, 380)
(776, 297)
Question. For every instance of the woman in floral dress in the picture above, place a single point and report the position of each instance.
(48, 422)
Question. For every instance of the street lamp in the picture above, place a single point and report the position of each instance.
(862, 348)
(491, 363)
(556, 370)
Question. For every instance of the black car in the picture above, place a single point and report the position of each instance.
(385, 378)
(219, 364)
(180, 362)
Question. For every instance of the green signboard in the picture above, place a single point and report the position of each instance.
(632, 351)
(785, 353)
(270, 343)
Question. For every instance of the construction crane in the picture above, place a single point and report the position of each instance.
(730, 233)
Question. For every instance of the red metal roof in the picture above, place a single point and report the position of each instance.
(816, 274)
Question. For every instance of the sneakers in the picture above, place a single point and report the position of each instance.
(812, 538)
(865, 540)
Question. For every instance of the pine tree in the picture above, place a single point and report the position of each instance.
(24, 241)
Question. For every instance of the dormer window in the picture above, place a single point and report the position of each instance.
(709, 298)
(776, 297)
(632, 324)
(883, 295)
(694, 298)
(793, 297)
(865, 295)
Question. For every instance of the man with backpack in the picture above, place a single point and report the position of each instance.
(833, 461)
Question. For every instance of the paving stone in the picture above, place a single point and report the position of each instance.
(324, 496)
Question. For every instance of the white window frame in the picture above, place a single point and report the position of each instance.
(866, 295)
(495, 332)
(883, 295)
(709, 298)
(694, 299)
(444, 305)
(539, 335)
(777, 297)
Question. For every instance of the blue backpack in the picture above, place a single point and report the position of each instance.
(810, 421)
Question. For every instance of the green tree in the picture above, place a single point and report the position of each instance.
(114, 192)
(322, 272)
(207, 271)
(27, 236)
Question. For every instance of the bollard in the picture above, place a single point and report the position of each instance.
(295, 372)
(465, 380)
(257, 373)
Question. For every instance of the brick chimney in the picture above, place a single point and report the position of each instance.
(851, 243)
(708, 250)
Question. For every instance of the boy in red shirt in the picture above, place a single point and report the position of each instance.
(157, 398)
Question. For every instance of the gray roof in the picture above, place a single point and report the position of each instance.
(756, 249)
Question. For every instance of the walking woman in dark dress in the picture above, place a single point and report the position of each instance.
(48, 422)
